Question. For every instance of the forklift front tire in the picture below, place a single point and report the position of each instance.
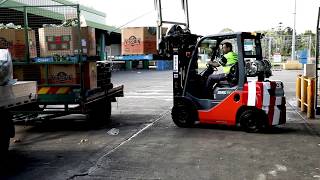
(183, 115)
(250, 121)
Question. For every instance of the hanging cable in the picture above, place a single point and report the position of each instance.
(132, 20)
(3, 1)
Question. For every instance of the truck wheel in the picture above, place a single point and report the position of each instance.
(183, 115)
(6, 131)
(101, 112)
(108, 111)
(4, 144)
(250, 121)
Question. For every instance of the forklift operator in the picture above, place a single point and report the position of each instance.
(227, 61)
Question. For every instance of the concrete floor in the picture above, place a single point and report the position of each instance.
(150, 146)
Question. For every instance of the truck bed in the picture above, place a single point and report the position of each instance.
(21, 92)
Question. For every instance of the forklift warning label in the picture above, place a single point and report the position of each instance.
(175, 63)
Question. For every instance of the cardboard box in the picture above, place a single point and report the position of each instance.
(14, 40)
(60, 74)
(65, 41)
(309, 70)
(138, 40)
(139, 48)
(88, 41)
(70, 74)
(90, 75)
(27, 73)
(53, 40)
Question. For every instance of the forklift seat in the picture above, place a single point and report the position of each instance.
(224, 84)
(203, 104)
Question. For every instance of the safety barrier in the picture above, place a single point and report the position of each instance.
(305, 94)
(277, 67)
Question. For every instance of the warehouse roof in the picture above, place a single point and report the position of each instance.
(89, 16)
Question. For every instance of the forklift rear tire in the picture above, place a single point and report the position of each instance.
(184, 115)
(101, 113)
(250, 121)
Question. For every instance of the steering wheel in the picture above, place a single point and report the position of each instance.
(214, 68)
(208, 71)
(219, 54)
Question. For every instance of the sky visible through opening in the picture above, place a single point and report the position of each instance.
(211, 16)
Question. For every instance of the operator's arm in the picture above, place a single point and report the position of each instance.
(223, 61)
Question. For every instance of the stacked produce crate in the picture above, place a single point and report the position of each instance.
(12, 37)
(60, 47)
(104, 75)
(138, 44)
(65, 41)
(57, 61)
(30, 72)
(138, 40)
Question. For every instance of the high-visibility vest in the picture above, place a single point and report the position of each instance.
(232, 58)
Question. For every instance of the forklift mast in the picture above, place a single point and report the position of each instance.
(160, 21)
(177, 45)
(317, 104)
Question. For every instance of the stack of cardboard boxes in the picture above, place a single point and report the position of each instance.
(61, 41)
(69, 74)
(15, 41)
(65, 41)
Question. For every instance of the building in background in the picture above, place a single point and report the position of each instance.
(106, 36)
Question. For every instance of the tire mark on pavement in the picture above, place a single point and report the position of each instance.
(312, 130)
(99, 161)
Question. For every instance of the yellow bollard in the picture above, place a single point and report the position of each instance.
(298, 90)
(304, 84)
(311, 97)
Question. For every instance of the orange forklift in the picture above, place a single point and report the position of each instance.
(245, 97)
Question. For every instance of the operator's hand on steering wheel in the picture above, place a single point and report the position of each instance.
(213, 64)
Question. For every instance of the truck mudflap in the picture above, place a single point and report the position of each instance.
(115, 92)
(109, 94)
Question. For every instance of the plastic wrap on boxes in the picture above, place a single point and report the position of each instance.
(6, 72)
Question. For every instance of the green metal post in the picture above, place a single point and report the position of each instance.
(25, 16)
(47, 74)
(128, 65)
(145, 64)
(102, 47)
(81, 63)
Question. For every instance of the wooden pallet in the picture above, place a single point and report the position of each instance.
(305, 94)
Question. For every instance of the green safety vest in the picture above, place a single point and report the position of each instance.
(232, 58)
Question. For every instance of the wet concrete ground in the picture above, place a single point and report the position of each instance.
(150, 146)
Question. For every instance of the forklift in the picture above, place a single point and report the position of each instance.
(245, 98)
